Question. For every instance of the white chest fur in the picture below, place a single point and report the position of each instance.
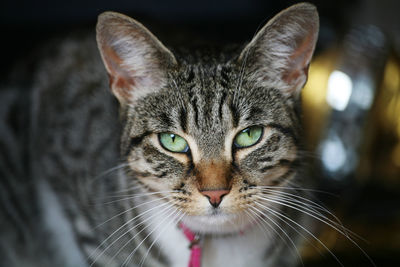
(169, 238)
(247, 249)
(240, 250)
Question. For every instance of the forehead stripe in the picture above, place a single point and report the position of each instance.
(183, 119)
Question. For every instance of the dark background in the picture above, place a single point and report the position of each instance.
(367, 198)
(25, 23)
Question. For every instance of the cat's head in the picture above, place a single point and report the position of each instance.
(213, 136)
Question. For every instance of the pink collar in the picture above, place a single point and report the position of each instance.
(194, 246)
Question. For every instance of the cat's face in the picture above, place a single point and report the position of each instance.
(205, 142)
(211, 137)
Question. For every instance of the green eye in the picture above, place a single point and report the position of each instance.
(248, 136)
(173, 142)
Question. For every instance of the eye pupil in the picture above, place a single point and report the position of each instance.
(248, 132)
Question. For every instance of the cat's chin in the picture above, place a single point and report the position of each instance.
(218, 223)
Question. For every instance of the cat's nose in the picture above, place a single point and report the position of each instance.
(215, 196)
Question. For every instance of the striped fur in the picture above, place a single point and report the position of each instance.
(108, 193)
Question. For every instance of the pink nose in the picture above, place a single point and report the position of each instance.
(215, 196)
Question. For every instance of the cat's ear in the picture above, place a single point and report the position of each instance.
(280, 53)
(136, 61)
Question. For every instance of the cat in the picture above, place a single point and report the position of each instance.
(206, 143)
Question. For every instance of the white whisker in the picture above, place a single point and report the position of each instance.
(138, 195)
(132, 208)
(279, 214)
(280, 228)
(165, 210)
(180, 215)
(254, 218)
(128, 259)
(295, 188)
(294, 229)
(121, 227)
(303, 199)
(343, 231)
(129, 189)
(107, 172)
(310, 211)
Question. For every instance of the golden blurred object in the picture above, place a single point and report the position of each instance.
(315, 108)
(382, 152)
(391, 86)
(351, 107)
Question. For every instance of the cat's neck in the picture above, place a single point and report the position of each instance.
(217, 250)
(237, 250)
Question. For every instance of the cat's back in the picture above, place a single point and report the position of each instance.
(75, 139)
(73, 112)
(65, 136)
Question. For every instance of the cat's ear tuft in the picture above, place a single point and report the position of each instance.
(280, 53)
(136, 61)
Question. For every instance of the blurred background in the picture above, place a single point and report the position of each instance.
(351, 102)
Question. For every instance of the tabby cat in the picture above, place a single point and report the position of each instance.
(211, 143)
